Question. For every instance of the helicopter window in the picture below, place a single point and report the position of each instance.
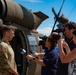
(33, 44)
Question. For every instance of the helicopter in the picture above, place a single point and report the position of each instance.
(26, 37)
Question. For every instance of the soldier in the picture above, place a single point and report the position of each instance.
(7, 63)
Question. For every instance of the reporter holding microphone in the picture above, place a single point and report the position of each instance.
(50, 57)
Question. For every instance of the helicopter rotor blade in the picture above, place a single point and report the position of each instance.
(57, 15)
(61, 7)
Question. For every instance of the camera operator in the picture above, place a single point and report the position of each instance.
(68, 29)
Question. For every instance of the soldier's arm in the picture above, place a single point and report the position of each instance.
(13, 71)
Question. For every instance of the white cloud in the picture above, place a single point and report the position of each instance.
(45, 31)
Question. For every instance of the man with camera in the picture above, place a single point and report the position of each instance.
(68, 29)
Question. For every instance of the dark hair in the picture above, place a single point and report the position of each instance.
(74, 32)
(7, 28)
(70, 25)
(53, 39)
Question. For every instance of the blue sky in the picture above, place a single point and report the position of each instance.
(45, 6)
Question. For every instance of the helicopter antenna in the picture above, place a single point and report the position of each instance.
(72, 11)
(61, 7)
(57, 15)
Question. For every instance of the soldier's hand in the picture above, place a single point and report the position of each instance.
(16, 73)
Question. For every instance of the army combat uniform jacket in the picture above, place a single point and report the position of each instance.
(6, 58)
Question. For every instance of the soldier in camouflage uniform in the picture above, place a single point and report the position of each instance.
(7, 63)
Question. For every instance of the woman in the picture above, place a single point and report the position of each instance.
(69, 56)
(50, 58)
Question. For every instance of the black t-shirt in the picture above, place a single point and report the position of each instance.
(72, 45)
(62, 68)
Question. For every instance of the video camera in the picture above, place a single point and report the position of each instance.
(60, 28)
(42, 41)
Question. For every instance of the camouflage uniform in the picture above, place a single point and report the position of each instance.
(6, 58)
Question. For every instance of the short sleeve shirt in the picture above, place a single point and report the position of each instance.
(6, 58)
